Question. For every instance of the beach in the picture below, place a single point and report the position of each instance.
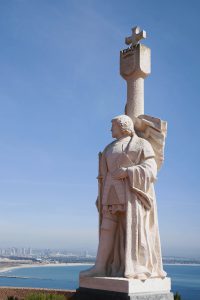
(20, 265)
(9, 266)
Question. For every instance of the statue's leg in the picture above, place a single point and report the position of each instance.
(106, 242)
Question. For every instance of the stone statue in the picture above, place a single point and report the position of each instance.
(129, 243)
(129, 260)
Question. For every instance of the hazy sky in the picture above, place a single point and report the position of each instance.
(59, 88)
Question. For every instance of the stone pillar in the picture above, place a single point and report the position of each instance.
(135, 95)
(135, 65)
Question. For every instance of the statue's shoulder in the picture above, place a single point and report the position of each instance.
(142, 145)
(108, 146)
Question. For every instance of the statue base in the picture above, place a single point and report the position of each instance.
(108, 288)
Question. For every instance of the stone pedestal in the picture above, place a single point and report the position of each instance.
(107, 288)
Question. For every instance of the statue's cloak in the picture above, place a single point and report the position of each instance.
(136, 250)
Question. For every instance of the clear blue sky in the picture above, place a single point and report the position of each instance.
(59, 88)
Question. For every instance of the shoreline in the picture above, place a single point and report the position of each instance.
(24, 266)
(179, 264)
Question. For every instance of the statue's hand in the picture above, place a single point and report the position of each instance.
(120, 173)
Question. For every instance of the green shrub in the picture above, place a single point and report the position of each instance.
(44, 297)
(177, 296)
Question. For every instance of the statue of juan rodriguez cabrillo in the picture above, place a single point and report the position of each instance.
(129, 242)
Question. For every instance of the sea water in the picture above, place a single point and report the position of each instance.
(185, 279)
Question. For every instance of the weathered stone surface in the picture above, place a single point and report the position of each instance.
(155, 296)
(125, 285)
(135, 65)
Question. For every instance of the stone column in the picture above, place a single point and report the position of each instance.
(135, 65)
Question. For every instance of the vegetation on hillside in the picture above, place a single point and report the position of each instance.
(177, 296)
(45, 297)
(40, 296)
(60, 297)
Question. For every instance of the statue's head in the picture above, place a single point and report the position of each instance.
(122, 125)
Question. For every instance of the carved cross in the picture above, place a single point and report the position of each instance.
(136, 36)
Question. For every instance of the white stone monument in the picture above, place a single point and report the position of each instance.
(129, 261)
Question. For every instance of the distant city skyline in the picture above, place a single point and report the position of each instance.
(60, 87)
(28, 251)
(24, 252)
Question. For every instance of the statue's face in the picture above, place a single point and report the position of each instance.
(116, 130)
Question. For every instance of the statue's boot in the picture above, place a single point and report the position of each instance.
(106, 243)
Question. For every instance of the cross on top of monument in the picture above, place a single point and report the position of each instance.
(136, 36)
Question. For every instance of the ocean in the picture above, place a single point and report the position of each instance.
(185, 278)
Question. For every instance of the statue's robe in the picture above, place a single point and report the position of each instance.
(136, 250)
